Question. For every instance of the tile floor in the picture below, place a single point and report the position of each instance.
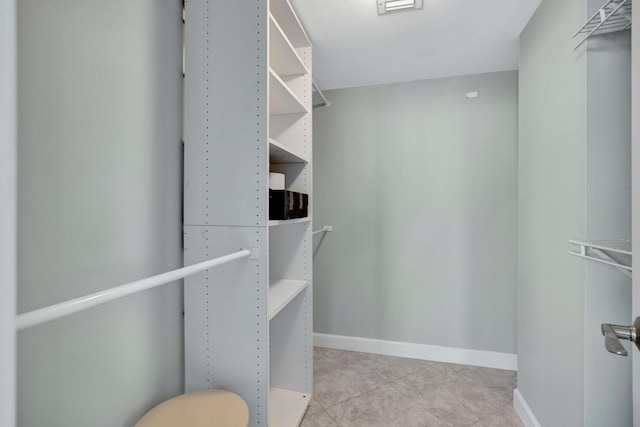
(367, 390)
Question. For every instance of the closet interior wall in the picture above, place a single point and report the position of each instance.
(99, 204)
(551, 205)
(420, 185)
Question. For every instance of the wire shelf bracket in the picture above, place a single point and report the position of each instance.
(597, 251)
(614, 15)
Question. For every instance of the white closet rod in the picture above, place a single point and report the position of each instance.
(325, 102)
(56, 311)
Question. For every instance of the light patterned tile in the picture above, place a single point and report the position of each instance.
(392, 368)
(343, 382)
(498, 380)
(506, 416)
(319, 419)
(326, 361)
(420, 417)
(429, 376)
(314, 407)
(360, 389)
(442, 400)
(384, 406)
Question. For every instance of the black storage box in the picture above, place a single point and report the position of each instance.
(284, 204)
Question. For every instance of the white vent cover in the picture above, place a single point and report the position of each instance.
(388, 6)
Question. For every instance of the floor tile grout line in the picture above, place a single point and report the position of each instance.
(493, 413)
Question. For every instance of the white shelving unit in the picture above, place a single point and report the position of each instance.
(603, 251)
(248, 103)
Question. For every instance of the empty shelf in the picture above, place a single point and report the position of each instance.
(289, 22)
(283, 57)
(281, 99)
(279, 153)
(286, 407)
(282, 292)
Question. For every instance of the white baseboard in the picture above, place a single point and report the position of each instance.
(461, 356)
(524, 411)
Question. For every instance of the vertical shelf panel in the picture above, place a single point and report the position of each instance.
(226, 113)
(226, 316)
(243, 331)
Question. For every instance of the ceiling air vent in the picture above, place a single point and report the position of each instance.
(388, 6)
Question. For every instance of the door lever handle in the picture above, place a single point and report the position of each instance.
(614, 333)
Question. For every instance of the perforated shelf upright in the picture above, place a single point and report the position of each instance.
(248, 325)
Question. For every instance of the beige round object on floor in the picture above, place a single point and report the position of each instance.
(207, 408)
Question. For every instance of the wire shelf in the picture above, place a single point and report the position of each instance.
(597, 250)
(614, 15)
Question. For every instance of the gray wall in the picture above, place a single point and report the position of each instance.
(100, 101)
(420, 185)
(552, 155)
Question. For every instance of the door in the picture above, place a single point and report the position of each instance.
(8, 147)
(615, 333)
(635, 189)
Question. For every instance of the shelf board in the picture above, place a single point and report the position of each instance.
(281, 99)
(286, 407)
(279, 154)
(277, 222)
(283, 57)
(596, 250)
(282, 292)
(617, 246)
(289, 22)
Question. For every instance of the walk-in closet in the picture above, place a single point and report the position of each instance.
(319, 213)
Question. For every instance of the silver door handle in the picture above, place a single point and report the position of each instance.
(614, 333)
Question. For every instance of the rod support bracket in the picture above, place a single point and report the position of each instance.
(255, 253)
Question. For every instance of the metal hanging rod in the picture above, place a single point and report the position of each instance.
(325, 102)
(325, 229)
(57, 311)
(614, 15)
